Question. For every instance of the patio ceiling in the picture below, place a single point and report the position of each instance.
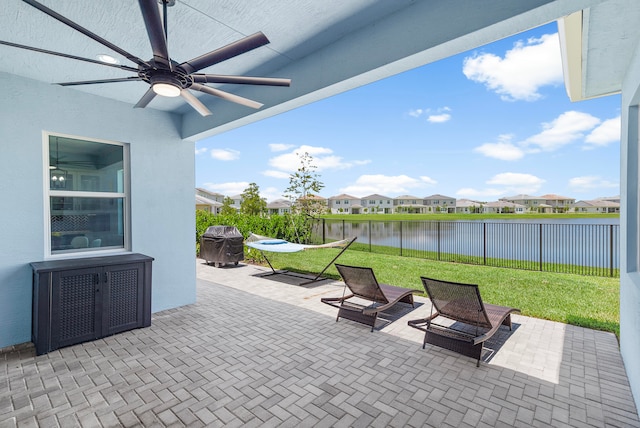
(325, 47)
(597, 45)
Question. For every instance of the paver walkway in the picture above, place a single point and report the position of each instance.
(261, 352)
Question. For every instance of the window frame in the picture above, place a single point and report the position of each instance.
(48, 193)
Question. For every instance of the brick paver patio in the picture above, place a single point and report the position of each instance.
(258, 351)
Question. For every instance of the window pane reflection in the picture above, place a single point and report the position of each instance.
(87, 166)
(86, 224)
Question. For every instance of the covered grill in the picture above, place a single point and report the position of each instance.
(221, 245)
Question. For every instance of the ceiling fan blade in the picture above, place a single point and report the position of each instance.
(146, 99)
(233, 49)
(225, 95)
(92, 82)
(240, 80)
(195, 103)
(79, 58)
(84, 31)
(155, 30)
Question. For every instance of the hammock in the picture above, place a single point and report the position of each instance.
(264, 243)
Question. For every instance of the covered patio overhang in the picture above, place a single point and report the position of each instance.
(325, 47)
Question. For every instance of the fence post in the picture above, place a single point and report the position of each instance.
(540, 247)
(324, 229)
(611, 250)
(438, 240)
(401, 237)
(484, 241)
(343, 229)
(369, 235)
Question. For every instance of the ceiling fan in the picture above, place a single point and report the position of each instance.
(167, 77)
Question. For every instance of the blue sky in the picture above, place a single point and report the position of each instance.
(485, 124)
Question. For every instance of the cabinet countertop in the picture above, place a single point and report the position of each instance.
(79, 263)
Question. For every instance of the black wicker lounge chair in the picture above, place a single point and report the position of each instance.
(461, 303)
(364, 287)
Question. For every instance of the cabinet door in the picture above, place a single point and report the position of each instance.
(74, 307)
(123, 298)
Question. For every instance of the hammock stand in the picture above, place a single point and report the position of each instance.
(264, 243)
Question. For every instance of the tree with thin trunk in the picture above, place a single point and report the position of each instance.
(304, 186)
(252, 203)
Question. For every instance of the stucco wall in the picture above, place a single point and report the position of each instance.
(629, 223)
(162, 180)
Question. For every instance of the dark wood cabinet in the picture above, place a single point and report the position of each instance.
(77, 300)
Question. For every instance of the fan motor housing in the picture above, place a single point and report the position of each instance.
(177, 76)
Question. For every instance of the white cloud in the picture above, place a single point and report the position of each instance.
(522, 72)
(428, 180)
(608, 132)
(439, 118)
(201, 150)
(227, 189)
(504, 184)
(276, 174)
(565, 129)
(280, 147)
(483, 195)
(439, 115)
(590, 182)
(504, 149)
(225, 154)
(323, 159)
(386, 185)
(237, 187)
(271, 194)
(526, 183)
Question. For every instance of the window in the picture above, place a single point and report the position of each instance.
(87, 195)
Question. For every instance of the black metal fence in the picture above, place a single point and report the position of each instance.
(586, 249)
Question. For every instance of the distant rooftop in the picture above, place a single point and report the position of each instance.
(556, 197)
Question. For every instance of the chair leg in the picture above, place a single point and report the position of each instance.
(507, 322)
(373, 324)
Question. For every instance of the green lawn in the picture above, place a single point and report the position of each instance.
(585, 301)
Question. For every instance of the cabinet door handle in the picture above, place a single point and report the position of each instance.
(106, 277)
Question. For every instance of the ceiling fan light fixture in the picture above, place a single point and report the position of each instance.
(166, 89)
(165, 85)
